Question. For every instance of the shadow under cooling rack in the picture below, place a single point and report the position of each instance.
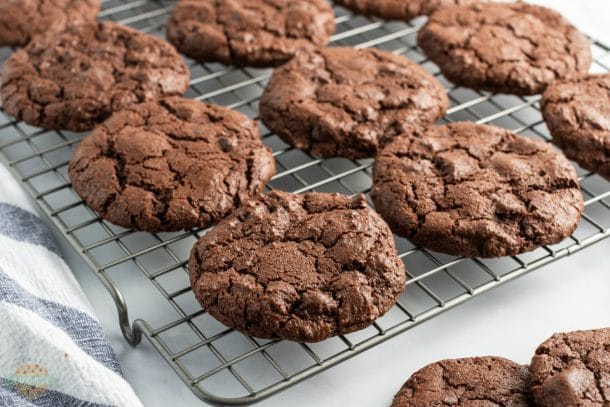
(146, 273)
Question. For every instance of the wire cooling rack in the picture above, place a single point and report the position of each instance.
(146, 273)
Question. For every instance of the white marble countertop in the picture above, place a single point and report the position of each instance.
(509, 321)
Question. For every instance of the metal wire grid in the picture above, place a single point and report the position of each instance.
(148, 271)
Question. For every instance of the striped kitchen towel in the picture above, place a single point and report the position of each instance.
(52, 348)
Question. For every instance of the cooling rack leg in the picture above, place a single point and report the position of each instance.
(133, 335)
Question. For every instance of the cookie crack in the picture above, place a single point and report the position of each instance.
(556, 29)
(520, 217)
(314, 248)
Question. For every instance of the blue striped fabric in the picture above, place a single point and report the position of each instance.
(84, 330)
(49, 337)
(23, 226)
(11, 396)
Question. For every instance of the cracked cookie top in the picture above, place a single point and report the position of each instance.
(75, 79)
(348, 102)
(171, 164)
(577, 113)
(573, 369)
(20, 20)
(480, 381)
(478, 191)
(249, 32)
(512, 48)
(298, 267)
(399, 9)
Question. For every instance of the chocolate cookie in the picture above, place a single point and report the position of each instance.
(399, 9)
(170, 164)
(573, 369)
(76, 79)
(507, 48)
(20, 20)
(249, 32)
(577, 113)
(481, 381)
(477, 191)
(298, 267)
(347, 102)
